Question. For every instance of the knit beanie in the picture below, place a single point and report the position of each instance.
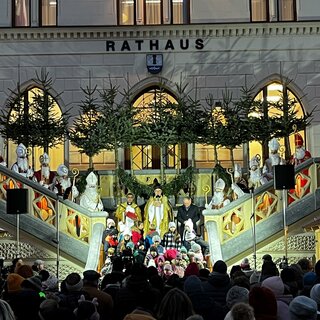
(14, 281)
(156, 238)
(263, 302)
(237, 294)
(192, 285)
(275, 284)
(303, 308)
(309, 278)
(254, 278)
(195, 247)
(192, 269)
(51, 283)
(172, 225)
(35, 282)
(47, 307)
(110, 222)
(220, 267)
(183, 249)
(189, 236)
(74, 282)
(315, 293)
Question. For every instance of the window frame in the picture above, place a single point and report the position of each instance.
(13, 15)
(294, 3)
(41, 18)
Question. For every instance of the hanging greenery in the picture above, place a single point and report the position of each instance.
(172, 188)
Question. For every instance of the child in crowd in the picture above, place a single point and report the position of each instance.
(137, 232)
(126, 239)
(172, 239)
(148, 239)
(156, 243)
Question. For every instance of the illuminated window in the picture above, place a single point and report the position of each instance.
(148, 156)
(21, 13)
(149, 12)
(273, 93)
(56, 154)
(48, 13)
(281, 10)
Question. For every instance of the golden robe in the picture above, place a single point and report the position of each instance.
(125, 211)
(158, 212)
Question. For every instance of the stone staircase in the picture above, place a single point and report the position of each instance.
(260, 216)
(68, 235)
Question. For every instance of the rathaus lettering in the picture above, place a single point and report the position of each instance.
(154, 45)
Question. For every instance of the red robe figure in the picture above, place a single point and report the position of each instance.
(301, 154)
(44, 176)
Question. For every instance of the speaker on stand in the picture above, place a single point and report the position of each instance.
(284, 179)
(17, 203)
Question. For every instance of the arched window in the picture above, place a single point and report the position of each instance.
(56, 154)
(273, 93)
(143, 156)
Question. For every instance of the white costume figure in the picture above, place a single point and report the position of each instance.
(90, 199)
(273, 160)
(44, 176)
(63, 183)
(219, 198)
(256, 179)
(239, 182)
(22, 165)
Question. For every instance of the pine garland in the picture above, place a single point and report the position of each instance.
(172, 188)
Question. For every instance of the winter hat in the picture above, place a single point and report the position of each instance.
(255, 277)
(263, 302)
(74, 282)
(189, 236)
(275, 284)
(25, 271)
(309, 278)
(91, 275)
(195, 247)
(315, 293)
(170, 254)
(127, 231)
(87, 309)
(235, 295)
(189, 225)
(14, 281)
(47, 307)
(156, 238)
(167, 266)
(303, 308)
(35, 282)
(192, 269)
(192, 285)
(161, 258)
(38, 262)
(172, 224)
(220, 267)
(51, 283)
(183, 250)
(130, 245)
(245, 264)
(110, 222)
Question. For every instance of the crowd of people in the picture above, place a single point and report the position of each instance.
(132, 290)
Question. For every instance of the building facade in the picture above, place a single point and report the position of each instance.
(208, 46)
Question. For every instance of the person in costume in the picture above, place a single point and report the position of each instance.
(63, 185)
(128, 212)
(188, 211)
(239, 185)
(301, 154)
(45, 177)
(90, 199)
(158, 211)
(273, 160)
(21, 166)
(219, 198)
(255, 178)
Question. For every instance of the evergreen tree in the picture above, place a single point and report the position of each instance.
(51, 126)
(16, 123)
(88, 131)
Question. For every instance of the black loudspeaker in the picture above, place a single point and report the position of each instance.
(283, 177)
(17, 201)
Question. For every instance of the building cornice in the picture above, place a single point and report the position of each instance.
(163, 31)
